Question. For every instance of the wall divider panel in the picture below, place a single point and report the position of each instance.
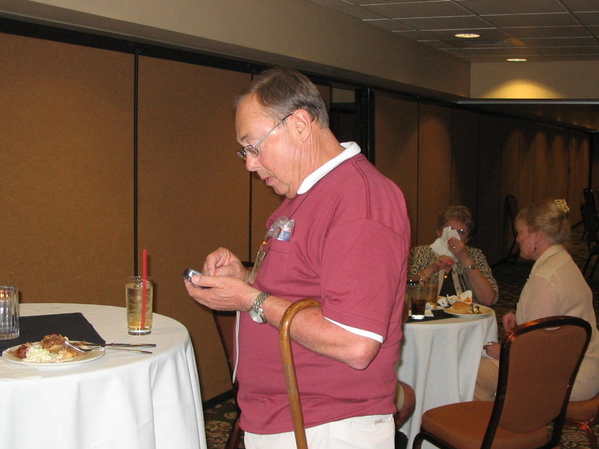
(464, 166)
(530, 169)
(193, 191)
(434, 168)
(538, 159)
(557, 165)
(396, 137)
(66, 139)
(509, 169)
(579, 161)
(491, 221)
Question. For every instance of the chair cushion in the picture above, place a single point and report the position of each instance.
(583, 410)
(463, 425)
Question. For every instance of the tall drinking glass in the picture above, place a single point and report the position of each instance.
(416, 295)
(431, 287)
(139, 315)
(9, 312)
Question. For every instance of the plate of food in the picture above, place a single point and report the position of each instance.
(463, 310)
(50, 351)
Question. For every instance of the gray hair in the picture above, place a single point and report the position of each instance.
(282, 91)
(457, 213)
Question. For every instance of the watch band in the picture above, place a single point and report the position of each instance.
(256, 312)
(472, 267)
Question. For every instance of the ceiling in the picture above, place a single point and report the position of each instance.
(538, 30)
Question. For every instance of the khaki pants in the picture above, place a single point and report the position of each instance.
(486, 379)
(362, 432)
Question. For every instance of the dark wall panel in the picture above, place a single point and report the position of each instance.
(540, 163)
(66, 132)
(557, 168)
(510, 139)
(465, 147)
(470, 158)
(396, 136)
(579, 164)
(193, 191)
(490, 219)
(434, 169)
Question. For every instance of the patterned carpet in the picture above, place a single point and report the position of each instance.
(218, 422)
(511, 277)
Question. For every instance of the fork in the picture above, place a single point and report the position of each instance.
(84, 349)
(126, 345)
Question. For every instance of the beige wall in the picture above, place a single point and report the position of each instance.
(307, 36)
(292, 32)
(534, 80)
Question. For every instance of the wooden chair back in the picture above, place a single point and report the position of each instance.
(538, 364)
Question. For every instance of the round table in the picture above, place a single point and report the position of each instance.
(121, 400)
(439, 360)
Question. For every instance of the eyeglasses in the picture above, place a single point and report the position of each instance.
(252, 150)
(462, 232)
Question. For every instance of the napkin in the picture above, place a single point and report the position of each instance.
(72, 325)
(446, 301)
(430, 315)
(440, 247)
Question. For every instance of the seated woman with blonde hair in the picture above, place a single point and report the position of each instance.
(455, 266)
(555, 286)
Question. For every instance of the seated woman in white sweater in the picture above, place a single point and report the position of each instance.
(555, 286)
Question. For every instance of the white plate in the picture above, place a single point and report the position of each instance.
(484, 311)
(96, 353)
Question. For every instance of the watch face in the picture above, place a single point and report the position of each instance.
(258, 317)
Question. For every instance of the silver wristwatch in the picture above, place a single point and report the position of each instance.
(256, 312)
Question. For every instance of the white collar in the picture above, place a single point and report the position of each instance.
(351, 150)
(553, 249)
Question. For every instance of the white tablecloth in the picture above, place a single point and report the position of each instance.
(439, 359)
(121, 400)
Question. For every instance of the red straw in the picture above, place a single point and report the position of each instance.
(144, 288)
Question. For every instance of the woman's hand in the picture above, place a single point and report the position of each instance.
(442, 263)
(481, 286)
(493, 350)
(509, 321)
(458, 249)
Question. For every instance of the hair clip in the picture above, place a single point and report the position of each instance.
(562, 206)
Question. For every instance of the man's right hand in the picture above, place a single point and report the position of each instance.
(223, 262)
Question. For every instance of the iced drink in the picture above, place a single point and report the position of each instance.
(134, 293)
